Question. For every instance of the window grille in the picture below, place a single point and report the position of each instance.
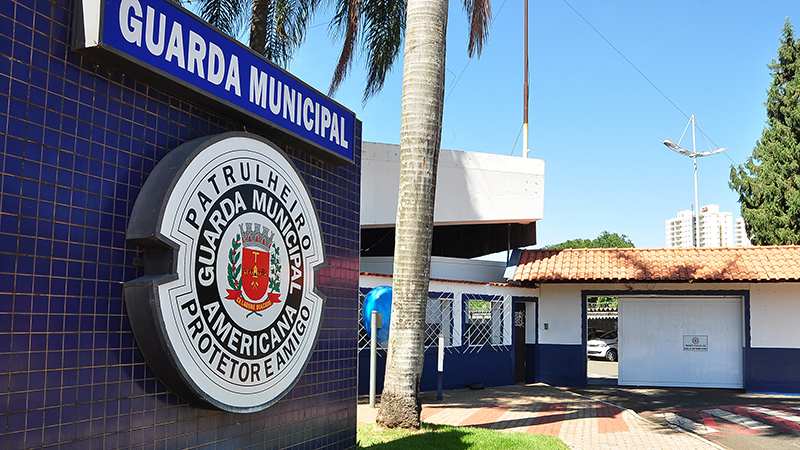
(485, 321)
(438, 320)
(363, 336)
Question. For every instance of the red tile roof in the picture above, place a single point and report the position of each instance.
(773, 263)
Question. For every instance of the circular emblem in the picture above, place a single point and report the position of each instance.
(231, 253)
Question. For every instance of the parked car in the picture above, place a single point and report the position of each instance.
(604, 346)
(594, 334)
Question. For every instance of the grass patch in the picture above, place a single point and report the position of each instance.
(444, 437)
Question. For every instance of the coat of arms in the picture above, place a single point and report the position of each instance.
(254, 269)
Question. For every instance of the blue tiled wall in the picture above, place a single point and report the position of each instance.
(78, 141)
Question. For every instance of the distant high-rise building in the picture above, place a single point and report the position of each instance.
(715, 228)
(680, 230)
(740, 238)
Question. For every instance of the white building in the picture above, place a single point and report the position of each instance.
(716, 228)
(485, 204)
(680, 230)
(740, 238)
(710, 317)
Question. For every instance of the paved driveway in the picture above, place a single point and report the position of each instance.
(729, 418)
(582, 423)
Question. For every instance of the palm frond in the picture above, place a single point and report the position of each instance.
(283, 25)
(230, 16)
(479, 13)
(345, 23)
(385, 24)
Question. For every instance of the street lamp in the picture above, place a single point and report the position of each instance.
(694, 155)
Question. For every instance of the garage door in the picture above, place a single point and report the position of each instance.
(681, 341)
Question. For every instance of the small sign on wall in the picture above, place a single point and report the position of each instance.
(695, 343)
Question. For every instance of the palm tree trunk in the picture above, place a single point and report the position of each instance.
(258, 27)
(420, 138)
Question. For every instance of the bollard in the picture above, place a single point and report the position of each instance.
(441, 366)
(376, 321)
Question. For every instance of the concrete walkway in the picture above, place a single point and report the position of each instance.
(538, 408)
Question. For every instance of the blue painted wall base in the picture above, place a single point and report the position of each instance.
(562, 365)
(772, 370)
(766, 369)
(492, 368)
(530, 363)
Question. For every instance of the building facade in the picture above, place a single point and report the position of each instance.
(715, 229)
(479, 323)
(485, 204)
(710, 317)
(740, 237)
(680, 230)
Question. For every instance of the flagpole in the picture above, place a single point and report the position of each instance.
(525, 148)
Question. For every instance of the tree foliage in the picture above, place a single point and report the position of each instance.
(604, 302)
(372, 28)
(605, 240)
(277, 27)
(378, 27)
(768, 183)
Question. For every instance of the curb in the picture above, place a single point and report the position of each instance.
(694, 435)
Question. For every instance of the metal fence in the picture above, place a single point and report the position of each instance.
(478, 322)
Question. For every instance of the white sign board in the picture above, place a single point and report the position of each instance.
(695, 343)
(227, 313)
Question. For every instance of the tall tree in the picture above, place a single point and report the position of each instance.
(420, 139)
(422, 105)
(769, 182)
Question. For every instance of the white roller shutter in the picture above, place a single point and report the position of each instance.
(681, 341)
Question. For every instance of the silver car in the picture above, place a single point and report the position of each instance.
(604, 346)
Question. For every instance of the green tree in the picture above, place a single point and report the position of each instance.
(768, 183)
(605, 240)
(420, 137)
(377, 26)
(604, 302)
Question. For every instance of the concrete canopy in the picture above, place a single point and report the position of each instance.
(485, 203)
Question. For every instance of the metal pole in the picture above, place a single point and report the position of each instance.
(525, 148)
(696, 201)
(441, 366)
(373, 356)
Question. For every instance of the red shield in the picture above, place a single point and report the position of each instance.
(255, 273)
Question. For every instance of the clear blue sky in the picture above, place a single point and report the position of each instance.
(594, 119)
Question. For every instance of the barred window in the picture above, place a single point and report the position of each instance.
(438, 319)
(484, 317)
